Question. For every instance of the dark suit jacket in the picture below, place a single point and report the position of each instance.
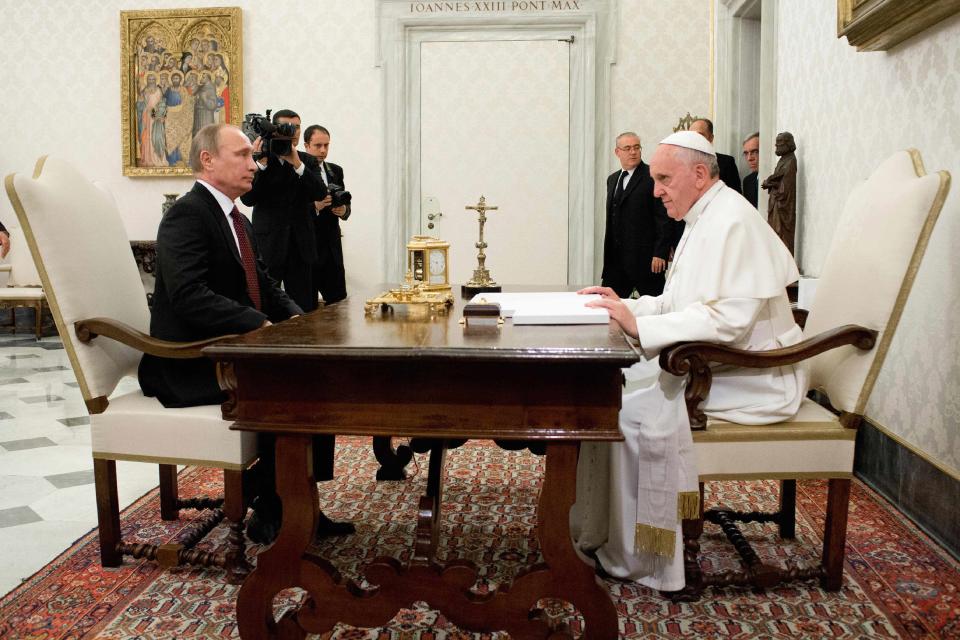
(638, 230)
(283, 211)
(330, 276)
(728, 171)
(201, 292)
(750, 188)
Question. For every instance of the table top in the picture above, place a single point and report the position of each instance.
(343, 331)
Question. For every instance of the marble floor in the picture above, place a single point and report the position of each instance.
(46, 471)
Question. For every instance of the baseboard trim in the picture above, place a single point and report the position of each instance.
(921, 490)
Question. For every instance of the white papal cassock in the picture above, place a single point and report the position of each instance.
(726, 285)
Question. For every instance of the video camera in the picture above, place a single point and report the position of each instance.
(338, 195)
(276, 138)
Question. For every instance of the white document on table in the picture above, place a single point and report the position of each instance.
(549, 307)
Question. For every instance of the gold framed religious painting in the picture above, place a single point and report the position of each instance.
(181, 70)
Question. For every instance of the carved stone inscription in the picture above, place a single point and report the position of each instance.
(495, 6)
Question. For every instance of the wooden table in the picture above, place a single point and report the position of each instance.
(336, 371)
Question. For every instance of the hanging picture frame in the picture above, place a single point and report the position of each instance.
(180, 70)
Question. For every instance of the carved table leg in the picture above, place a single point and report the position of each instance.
(574, 580)
(429, 510)
(280, 566)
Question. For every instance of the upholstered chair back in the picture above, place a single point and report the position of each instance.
(877, 247)
(86, 266)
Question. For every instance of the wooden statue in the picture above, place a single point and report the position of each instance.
(782, 188)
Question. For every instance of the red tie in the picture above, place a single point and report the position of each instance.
(246, 257)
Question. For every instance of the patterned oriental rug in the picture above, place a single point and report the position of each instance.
(897, 582)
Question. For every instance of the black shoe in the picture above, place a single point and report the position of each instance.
(264, 523)
(327, 528)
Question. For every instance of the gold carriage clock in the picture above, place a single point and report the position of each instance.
(427, 284)
(428, 263)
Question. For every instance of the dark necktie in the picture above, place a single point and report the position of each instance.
(618, 193)
(246, 257)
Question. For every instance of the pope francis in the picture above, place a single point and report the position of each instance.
(727, 284)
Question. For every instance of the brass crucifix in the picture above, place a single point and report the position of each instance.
(481, 280)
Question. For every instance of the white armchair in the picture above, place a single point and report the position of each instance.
(80, 247)
(877, 248)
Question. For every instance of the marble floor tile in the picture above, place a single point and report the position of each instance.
(73, 479)
(47, 461)
(73, 422)
(47, 398)
(73, 504)
(17, 515)
(27, 443)
(22, 490)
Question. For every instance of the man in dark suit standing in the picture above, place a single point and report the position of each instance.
(728, 165)
(639, 235)
(751, 153)
(211, 281)
(282, 198)
(328, 272)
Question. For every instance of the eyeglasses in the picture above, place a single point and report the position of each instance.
(633, 147)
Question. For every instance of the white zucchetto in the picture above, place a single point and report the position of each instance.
(690, 140)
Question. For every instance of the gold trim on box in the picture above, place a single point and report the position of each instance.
(180, 25)
(193, 462)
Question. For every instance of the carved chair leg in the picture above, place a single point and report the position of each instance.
(693, 574)
(38, 319)
(835, 533)
(169, 510)
(235, 509)
(108, 511)
(788, 509)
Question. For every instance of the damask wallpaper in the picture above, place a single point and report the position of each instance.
(848, 111)
(662, 69)
(62, 92)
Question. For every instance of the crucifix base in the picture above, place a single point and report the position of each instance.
(469, 290)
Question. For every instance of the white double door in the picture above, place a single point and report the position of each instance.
(495, 121)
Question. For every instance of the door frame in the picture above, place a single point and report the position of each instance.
(591, 57)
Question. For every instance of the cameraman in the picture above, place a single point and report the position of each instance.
(282, 197)
(328, 273)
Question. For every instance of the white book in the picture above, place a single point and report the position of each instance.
(548, 307)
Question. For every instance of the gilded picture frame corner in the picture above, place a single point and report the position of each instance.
(880, 25)
(180, 69)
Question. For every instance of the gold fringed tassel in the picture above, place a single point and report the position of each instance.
(649, 539)
(688, 505)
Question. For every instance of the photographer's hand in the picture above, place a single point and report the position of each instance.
(326, 202)
(258, 152)
(293, 158)
(338, 211)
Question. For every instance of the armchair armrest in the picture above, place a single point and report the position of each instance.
(693, 359)
(87, 330)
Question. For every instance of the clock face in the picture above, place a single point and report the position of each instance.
(438, 266)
